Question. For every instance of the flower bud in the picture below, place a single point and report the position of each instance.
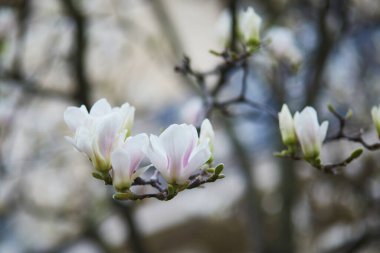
(126, 160)
(309, 133)
(375, 112)
(249, 26)
(207, 134)
(286, 122)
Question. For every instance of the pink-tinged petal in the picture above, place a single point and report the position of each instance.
(178, 142)
(75, 117)
(157, 156)
(107, 133)
(100, 108)
(121, 169)
(136, 143)
(199, 157)
(136, 146)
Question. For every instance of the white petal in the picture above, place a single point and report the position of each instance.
(207, 133)
(136, 146)
(128, 115)
(249, 24)
(83, 141)
(121, 169)
(375, 113)
(200, 156)
(323, 131)
(178, 142)
(137, 143)
(310, 118)
(75, 117)
(140, 171)
(286, 125)
(309, 133)
(100, 108)
(157, 156)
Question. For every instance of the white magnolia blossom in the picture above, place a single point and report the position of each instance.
(283, 45)
(98, 132)
(286, 122)
(126, 160)
(376, 118)
(207, 134)
(249, 25)
(178, 153)
(309, 133)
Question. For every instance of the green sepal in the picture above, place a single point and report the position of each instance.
(123, 196)
(171, 189)
(218, 169)
(210, 170)
(221, 176)
(213, 52)
(184, 186)
(357, 153)
(330, 107)
(349, 114)
(97, 176)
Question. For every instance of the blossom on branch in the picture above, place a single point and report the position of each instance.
(375, 112)
(98, 132)
(286, 122)
(178, 153)
(249, 26)
(126, 160)
(207, 134)
(309, 133)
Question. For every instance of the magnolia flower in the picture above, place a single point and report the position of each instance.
(283, 45)
(309, 133)
(286, 122)
(178, 153)
(207, 134)
(99, 132)
(249, 26)
(126, 160)
(376, 118)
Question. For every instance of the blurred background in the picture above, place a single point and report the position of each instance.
(54, 54)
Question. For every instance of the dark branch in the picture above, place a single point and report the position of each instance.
(79, 51)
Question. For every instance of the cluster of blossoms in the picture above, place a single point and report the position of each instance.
(104, 134)
(304, 131)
